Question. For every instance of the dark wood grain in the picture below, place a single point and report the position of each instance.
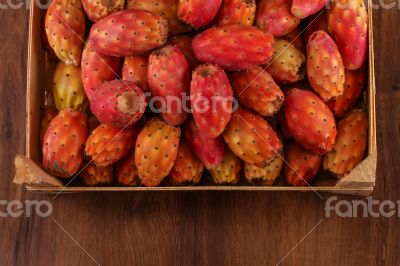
(236, 228)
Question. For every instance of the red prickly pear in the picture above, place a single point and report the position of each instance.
(156, 151)
(233, 47)
(211, 97)
(126, 171)
(305, 8)
(325, 68)
(351, 144)
(198, 13)
(166, 8)
(264, 175)
(348, 24)
(98, 9)
(274, 16)
(310, 121)
(256, 90)
(251, 138)
(228, 171)
(233, 12)
(128, 32)
(169, 76)
(184, 42)
(353, 86)
(63, 143)
(302, 166)
(118, 103)
(316, 22)
(97, 68)
(65, 29)
(135, 69)
(187, 168)
(107, 145)
(209, 151)
(93, 175)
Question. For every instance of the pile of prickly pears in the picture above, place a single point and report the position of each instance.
(243, 89)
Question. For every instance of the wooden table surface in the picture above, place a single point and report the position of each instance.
(202, 228)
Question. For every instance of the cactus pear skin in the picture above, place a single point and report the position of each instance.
(348, 24)
(68, 89)
(156, 150)
(255, 89)
(287, 64)
(126, 171)
(93, 175)
(166, 8)
(128, 32)
(48, 114)
(98, 9)
(265, 175)
(169, 77)
(198, 13)
(302, 166)
(63, 143)
(236, 12)
(97, 68)
(353, 86)
(233, 47)
(228, 171)
(118, 103)
(107, 144)
(184, 42)
(251, 138)
(316, 22)
(187, 168)
(274, 16)
(305, 8)
(325, 69)
(209, 150)
(310, 121)
(211, 97)
(135, 69)
(351, 144)
(65, 29)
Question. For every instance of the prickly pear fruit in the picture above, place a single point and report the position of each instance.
(211, 97)
(169, 76)
(316, 22)
(287, 64)
(63, 143)
(353, 86)
(256, 90)
(295, 37)
(93, 175)
(310, 121)
(68, 90)
(228, 171)
(156, 151)
(107, 144)
(187, 168)
(305, 8)
(135, 69)
(65, 29)
(274, 16)
(97, 68)
(97, 9)
(325, 68)
(118, 103)
(351, 144)
(198, 13)
(234, 12)
(302, 166)
(126, 171)
(251, 138)
(348, 24)
(48, 114)
(184, 42)
(128, 32)
(233, 47)
(166, 8)
(264, 175)
(209, 151)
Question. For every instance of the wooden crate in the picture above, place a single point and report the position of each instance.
(359, 182)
